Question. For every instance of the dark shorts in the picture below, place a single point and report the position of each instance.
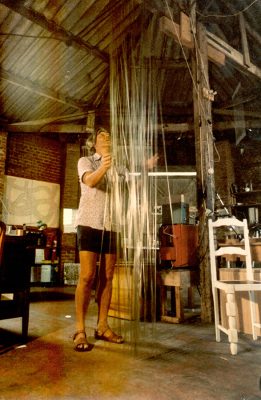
(96, 240)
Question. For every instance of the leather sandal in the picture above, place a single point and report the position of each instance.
(80, 343)
(108, 336)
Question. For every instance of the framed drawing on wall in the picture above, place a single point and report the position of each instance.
(28, 201)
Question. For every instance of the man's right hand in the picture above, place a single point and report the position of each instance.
(106, 161)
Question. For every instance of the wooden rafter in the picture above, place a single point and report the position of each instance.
(246, 55)
(232, 54)
(217, 126)
(50, 125)
(214, 44)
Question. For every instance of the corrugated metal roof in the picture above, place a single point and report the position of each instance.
(55, 55)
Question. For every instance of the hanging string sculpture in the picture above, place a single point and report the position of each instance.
(134, 116)
(135, 111)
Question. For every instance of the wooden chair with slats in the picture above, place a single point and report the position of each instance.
(230, 287)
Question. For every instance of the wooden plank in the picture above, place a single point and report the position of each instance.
(90, 124)
(244, 40)
(173, 320)
(232, 54)
(181, 34)
(215, 55)
(185, 31)
(170, 28)
(179, 304)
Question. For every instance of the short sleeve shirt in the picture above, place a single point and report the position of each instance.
(95, 207)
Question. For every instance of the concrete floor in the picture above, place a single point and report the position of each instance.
(169, 362)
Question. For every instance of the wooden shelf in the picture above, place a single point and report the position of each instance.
(256, 191)
(247, 205)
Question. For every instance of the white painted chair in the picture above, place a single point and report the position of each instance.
(249, 285)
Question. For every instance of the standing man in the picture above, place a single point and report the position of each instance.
(95, 237)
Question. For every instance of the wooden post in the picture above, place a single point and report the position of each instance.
(202, 97)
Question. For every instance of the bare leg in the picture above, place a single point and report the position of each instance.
(83, 295)
(105, 289)
(104, 298)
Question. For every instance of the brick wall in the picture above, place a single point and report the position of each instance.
(247, 164)
(237, 164)
(33, 157)
(68, 248)
(69, 251)
(71, 186)
(240, 165)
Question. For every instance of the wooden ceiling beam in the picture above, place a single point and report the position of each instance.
(251, 114)
(175, 30)
(56, 30)
(215, 44)
(52, 127)
(36, 125)
(217, 126)
(232, 54)
(67, 128)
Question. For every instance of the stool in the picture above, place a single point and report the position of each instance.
(176, 279)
